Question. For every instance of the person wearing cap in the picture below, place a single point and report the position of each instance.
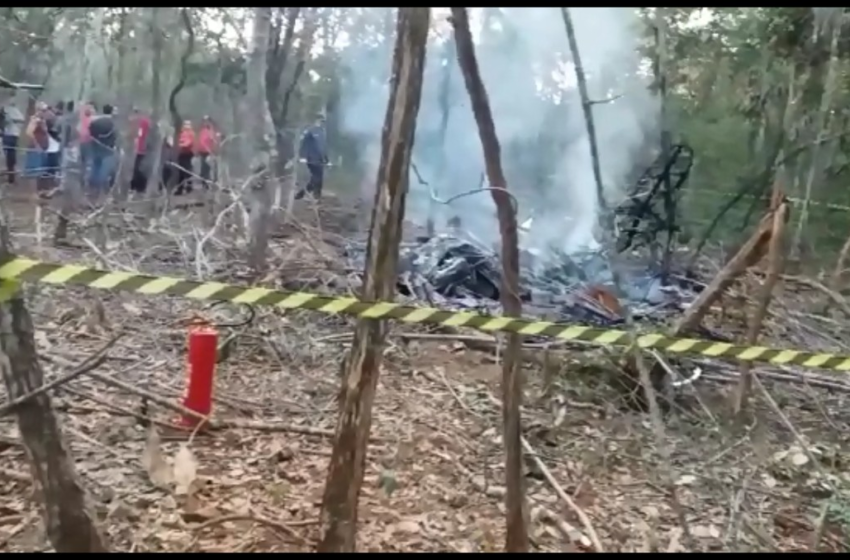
(185, 153)
(313, 151)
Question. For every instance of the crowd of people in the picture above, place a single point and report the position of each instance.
(89, 140)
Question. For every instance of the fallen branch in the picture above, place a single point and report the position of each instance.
(748, 255)
(282, 527)
(585, 520)
(836, 297)
(775, 263)
(87, 366)
(206, 420)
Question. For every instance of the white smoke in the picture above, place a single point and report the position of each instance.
(564, 205)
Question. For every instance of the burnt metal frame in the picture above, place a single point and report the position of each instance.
(644, 221)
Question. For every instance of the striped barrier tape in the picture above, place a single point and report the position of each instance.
(20, 269)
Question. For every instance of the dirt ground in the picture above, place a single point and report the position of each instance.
(434, 480)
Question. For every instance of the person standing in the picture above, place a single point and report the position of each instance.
(207, 147)
(313, 151)
(140, 179)
(13, 120)
(102, 151)
(53, 119)
(67, 125)
(84, 136)
(37, 141)
(185, 153)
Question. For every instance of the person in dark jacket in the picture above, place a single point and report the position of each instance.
(103, 137)
(313, 151)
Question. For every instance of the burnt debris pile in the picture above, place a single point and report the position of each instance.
(457, 271)
(451, 272)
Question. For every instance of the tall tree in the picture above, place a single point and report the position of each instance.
(262, 141)
(348, 461)
(517, 521)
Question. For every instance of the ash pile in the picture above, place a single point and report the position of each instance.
(453, 272)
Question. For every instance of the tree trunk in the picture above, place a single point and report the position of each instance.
(70, 525)
(775, 261)
(348, 460)
(443, 98)
(156, 136)
(666, 136)
(517, 530)
(126, 129)
(285, 136)
(587, 108)
(821, 127)
(72, 190)
(262, 140)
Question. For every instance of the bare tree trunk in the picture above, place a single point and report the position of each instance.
(70, 525)
(263, 144)
(445, 108)
(282, 37)
(666, 139)
(173, 109)
(348, 461)
(645, 377)
(821, 127)
(775, 261)
(285, 137)
(127, 133)
(587, 108)
(156, 136)
(73, 190)
(517, 521)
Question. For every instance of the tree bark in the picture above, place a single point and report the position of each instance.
(156, 136)
(666, 136)
(443, 100)
(348, 461)
(69, 523)
(775, 262)
(263, 144)
(821, 128)
(587, 108)
(73, 191)
(517, 524)
(127, 129)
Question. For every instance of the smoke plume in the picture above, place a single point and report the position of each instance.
(525, 63)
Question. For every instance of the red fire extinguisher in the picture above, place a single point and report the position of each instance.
(200, 371)
(200, 364)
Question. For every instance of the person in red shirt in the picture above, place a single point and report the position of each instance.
(207, 147)
(140, 179)
(185, 153)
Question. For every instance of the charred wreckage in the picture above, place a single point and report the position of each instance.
(457, 272)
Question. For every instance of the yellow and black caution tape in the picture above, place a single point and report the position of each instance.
(20, 269)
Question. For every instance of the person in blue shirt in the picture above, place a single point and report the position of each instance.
(313, 151)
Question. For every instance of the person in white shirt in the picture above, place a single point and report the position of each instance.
(12, 120)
